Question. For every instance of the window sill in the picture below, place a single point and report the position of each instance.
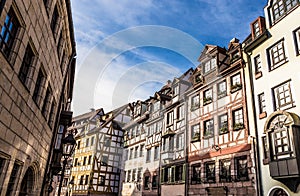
(279, 64)
(207, 102)
(258, 75)
(233, 90)
(262, 115)
(221, 95)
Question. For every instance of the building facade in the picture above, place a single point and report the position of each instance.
(272, 49)
(97, 160)
(220, 155)
(36, 84)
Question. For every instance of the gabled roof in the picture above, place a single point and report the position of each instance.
(206, 51)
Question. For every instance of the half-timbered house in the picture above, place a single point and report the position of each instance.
(219, 151)
(98, 157)
(173, 151)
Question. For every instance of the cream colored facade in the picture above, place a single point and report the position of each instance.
(273, 55)
(36, 81)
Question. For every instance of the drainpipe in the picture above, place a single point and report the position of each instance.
(259, 190)
(186, 148)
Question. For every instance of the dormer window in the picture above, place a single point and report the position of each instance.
(210, 65)
(256, 29)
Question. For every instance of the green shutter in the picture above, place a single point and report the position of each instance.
(183, 172)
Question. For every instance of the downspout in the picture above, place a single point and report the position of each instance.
(186, 148)
(259, 190)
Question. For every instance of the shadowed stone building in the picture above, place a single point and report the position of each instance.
(36, 83)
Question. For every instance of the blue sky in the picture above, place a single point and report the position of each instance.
(126, 49)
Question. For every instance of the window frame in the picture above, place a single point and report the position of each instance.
(257, 64)
(225, 169)
(235, 82)
(239, 168)
(209, 128)
(196, 173)
(296, 35)
(261, 103)
(238, 123)
(209, 65)
(195, 102)
(210, 176)
(277, 98)
(271, 58)
(27, 63)
(207, 96)
(222, 93)
(223, 127)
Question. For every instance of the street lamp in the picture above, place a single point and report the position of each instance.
(68, 146)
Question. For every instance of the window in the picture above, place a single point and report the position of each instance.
(75, 161)
(87, 142)
(142, 150)
(195, 132)
(176, 90)
(136, 151)
(297, 40)
(133, 174)
(209, 127)
(261, 103)
(107, 141)
(40, 81)
(54, 19)
(257, 64)
(281, 143)
(12, 179)
(156, 152)
(179, 173)
(9, 32)
(242, 168)
(179, 141)
(52, 113)
(92, 141)
(266, 150)
(236, 82)
(81, 180)
(131, 153)
(139, 174)
(281, 7)
(84, 160)
(225, 168)
(154, 181)
(283, 96)
(128, 175)
(171, 143)
(196, 174)
(26, 64)
(90, 160)
(104, 160)
(148, 157)
(78, 145)
(207, 96)
(86, 179)
(210, 65)
(222, 89)
(101, 180)
(276, 55)
(2, 170)
(210, 172)
(156, 106)
(223, 124)
(170, 118)
(47, 101)
(256, 29)
(195, 102)
(180, 112)
(238, 119)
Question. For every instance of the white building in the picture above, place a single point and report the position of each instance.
(273, 55)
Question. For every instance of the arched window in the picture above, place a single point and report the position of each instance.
(27, 183)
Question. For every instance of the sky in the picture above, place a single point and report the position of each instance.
(128, 49)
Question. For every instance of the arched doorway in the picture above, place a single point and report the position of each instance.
(27, 183)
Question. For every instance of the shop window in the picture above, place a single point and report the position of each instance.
(242, 168)
(210, 172)
(196, 174)
(225, 169)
